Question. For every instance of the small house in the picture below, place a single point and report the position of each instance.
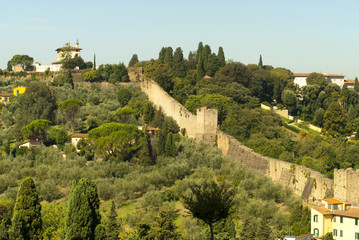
(75, 138)
(5, 97)
(19, 90)
(30, 144)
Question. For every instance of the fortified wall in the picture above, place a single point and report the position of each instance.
(307, 183)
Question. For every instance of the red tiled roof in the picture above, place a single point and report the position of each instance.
(323, 210)
(333, 201)
(57, 62)
(5, 94)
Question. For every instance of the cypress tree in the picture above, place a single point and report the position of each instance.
(170, 148)
(161, 143)
(260, 63)
(83, 211)
(199, 51)
(191, 64)
(205, 54)
(161, 55)
(200, 68)
(221, 58)
(356, 85)
(179, 67)
(94, 61)
(112, 226)
(133, 60)
(27, 221)
(168, 59)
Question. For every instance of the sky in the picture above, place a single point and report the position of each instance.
(302, 36)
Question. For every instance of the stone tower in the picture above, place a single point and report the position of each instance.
(207, 122)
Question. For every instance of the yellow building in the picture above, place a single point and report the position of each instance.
(5, 97)
(336, 217)
(19, 90)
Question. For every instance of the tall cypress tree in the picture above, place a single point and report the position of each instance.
(27, 221)
(260, 63)
(168, 57)
(221, 58)
(179, 67)
(112, 225)
(170, 148)
(83, 211)
(94, 61)
(199, 51)
(356, 85)
(200, 68)
(133, 60)
(161, 55)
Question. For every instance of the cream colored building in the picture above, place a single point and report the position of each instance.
(336, 217)
(301, 79)
(56, 66)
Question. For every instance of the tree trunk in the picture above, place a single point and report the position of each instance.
(211, 227)
(72, 125)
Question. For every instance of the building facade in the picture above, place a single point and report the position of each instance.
(301, 79)
(336, 217)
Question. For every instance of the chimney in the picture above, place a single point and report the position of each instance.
(77, 43)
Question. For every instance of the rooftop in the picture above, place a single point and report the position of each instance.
(5, 94)
(325, 74)
(79, 135)
(332, 201)
(351, 212)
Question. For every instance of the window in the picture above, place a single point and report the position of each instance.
(356, 235)
(356, 221)
(335, 206)
(335, 219)
(316, 232)
(341, 219)
(335, 232)
(315, 218)
(5, 99)
(341, 233)
(17, 92)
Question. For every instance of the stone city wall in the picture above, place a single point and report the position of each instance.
(307, 183)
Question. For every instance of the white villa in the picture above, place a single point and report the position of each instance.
(336, 217)
(56, 66)
(301, 79)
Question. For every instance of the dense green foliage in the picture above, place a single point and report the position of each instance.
(83, 214)
(23, 60)
(26, 220)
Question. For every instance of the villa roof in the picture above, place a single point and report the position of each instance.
(57, 62)
(5, 94)
(332, 201)
(325, 74)
(323, 210)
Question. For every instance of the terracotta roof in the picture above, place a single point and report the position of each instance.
(351, 212)
(57, 62)
(301, 74)
(71, 48)
(323, 210)
(5, 94)
(349, 81)
(333, 201)
(333, 75)
(79, 135)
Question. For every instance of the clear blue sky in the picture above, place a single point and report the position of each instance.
(303, 36)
